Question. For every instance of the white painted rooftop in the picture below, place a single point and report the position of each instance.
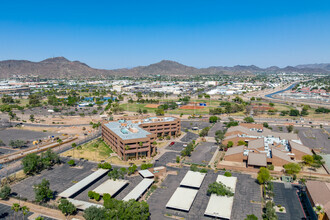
(146, 173)
(111, 187)
(182, 198)
(83, 183)
(221, 206)
(139, 190)
(193, 179)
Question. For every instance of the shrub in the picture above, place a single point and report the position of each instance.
(227, 174)
(71, 162)
(97, 196)
(146, 166)
(203, 170)
(5, 192)
(91, 194)
(193, 167)
(178, 159)
(105, 165)
(270, 167)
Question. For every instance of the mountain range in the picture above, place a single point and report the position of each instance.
(60, 67)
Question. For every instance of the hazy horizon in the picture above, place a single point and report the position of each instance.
(111, 34)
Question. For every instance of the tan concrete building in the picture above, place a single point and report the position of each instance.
(135, 138)
(264, 147)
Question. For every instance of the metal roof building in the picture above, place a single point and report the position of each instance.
(146, 173)
(83, 183)
(111, 187)
(182, 199)
(137, 192)
(193, 179)
(82, 205)
(221, 206)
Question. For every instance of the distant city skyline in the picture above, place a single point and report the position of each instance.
(113, 34)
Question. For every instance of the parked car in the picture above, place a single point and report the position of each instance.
(172, 143)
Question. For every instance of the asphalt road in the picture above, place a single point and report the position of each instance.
(289, 199)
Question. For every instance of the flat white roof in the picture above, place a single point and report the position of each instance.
(221, 206)
(228, 181)
(82, 205)
(82, 183)
(146, 173)
(139, 189)
(111, 187)
(193, 179)
(182, 198)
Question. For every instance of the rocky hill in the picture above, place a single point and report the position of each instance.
(60, 67)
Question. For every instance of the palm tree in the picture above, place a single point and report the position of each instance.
(16, 207)
(25, 211)
(74, 145)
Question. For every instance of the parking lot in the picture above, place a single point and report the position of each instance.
(203, 153)
(60, 177)
(177, 146)
(168, 157)
(19, 134)
(191, 124)
(289, 199)
(314, 138)
(189, 137)
(217, 126)
(7, 213)
(247, 190)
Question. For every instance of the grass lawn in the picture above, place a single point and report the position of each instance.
(95, 150)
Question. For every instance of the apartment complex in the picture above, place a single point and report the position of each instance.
(135, 138)
(257, 146)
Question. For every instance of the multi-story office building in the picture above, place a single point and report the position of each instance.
(135, 138)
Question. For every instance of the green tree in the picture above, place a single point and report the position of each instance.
(31, 163)
(289, 128)
(95, 213)
(132, 169)
(32, 118)
(5, 192)
(159, 112)
(292, 168)
(42, 191)
(248, 119)
(251, 217)
(294, 112)
(263, 175)
(308, 160)
(230, 144)
(213, 119)
(270, 213)
(219, 189)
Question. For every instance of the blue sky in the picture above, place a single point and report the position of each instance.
(115, 34)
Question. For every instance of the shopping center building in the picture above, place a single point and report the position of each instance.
(135, 138)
